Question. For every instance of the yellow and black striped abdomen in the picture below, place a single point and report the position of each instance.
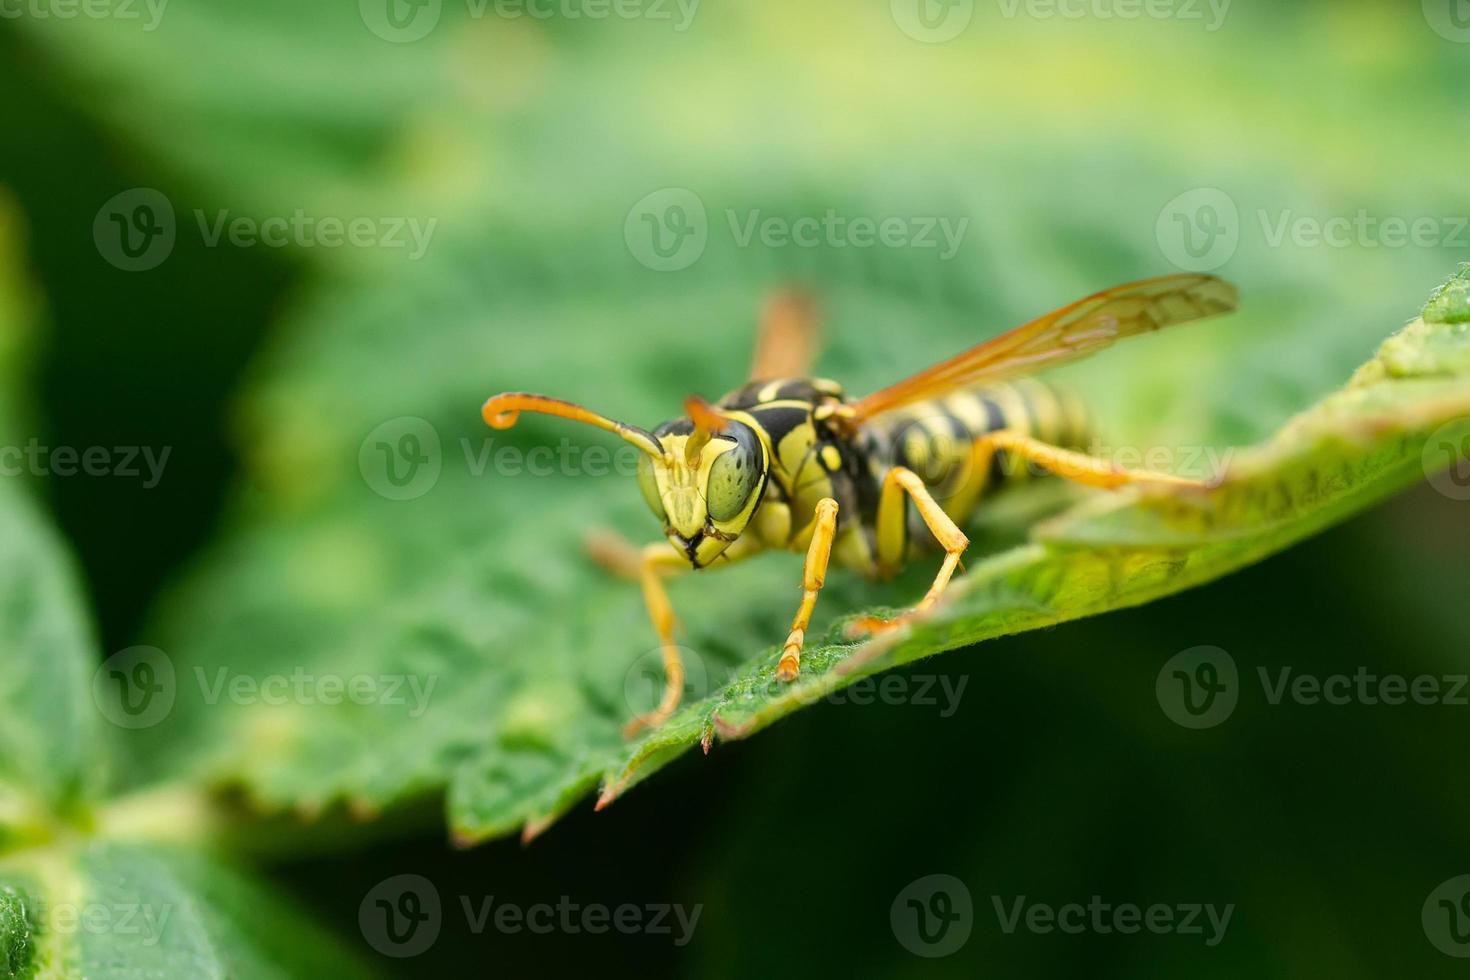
(936, 438)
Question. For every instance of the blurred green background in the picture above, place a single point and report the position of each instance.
(1083, 147)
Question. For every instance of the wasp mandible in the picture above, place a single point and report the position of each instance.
(789, 462)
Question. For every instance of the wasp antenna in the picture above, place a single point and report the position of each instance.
(704, 415)
(503, 410)
(707, 421)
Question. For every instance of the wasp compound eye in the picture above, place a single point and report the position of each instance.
(649, 485)
(735, 475)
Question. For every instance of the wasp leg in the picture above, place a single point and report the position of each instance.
(656, 561)
(891, 542)
(1067, 463)
(814, 573)
(651, 565)
(615, 553)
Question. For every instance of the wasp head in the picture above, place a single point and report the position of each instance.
(707, 483)
(701, 475)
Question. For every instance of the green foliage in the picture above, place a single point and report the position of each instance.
(110, 909)
(16, 950)
(49, 746)
(1451, 302)
(478, 586)
(49, 749)
(71, 905)
(477, 590)
(513, 661)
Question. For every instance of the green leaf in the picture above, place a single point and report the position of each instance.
(50, 762)
(16, 928)
(72, 905)
(1403, 416)
(478, 586)
(125, 910)
(1451, 302)
(526, 659)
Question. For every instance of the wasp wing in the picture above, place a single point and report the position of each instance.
(1073, 332)
(786, 345)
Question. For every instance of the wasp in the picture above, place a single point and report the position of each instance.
(788, 461)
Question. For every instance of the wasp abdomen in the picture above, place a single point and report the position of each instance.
(936, 439)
